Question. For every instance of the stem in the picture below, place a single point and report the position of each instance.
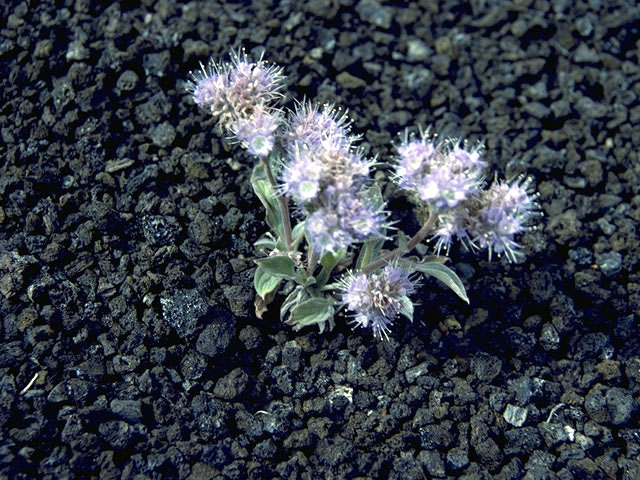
(426, 229)
(313, 260)
(282, 202)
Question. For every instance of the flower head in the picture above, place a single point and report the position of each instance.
(301, 176)
(257, 131)
(377, 298)
(241, 95)
(504, 210)
(313, 127)
(441, 174)
(345, 219)
(490, 219)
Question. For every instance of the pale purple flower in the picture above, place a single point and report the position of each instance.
(254, 83)
(257, 132)
(327, 235)
(343, 220)
(312, 127)
(240, 94)
(451, 226)
(412, 158)
(442, 174)
(301, 176)
(505, 210)
(327, 170)
(209, 89)
(490, 219)
(377, 298)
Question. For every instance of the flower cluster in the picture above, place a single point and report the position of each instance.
(241, 95)
(441, 174)
(325, 175)
(377, 298)
(491, 219)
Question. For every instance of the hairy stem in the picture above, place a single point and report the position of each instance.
(426, 229)
(282, 202)
(312, 259)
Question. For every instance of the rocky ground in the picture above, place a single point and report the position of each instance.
(128, 344)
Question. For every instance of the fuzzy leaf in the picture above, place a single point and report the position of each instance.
(296, 296)
(267, 196)
(329, 261)
(279, 266)
(406, 308)
(403, 240)
(316, 310)
(265, 242)
(445, 275)
(369, 252)
(264, 282)
(297, 233)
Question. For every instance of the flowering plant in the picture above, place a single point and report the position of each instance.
(340, 252)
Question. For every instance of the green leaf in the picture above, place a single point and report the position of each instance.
(298, 295)
(307, 280)
(264, 282)
(374, 195)
(369, 252)
(267, 196)
(445, 275)
(280, 266)
(313, 311)
(329, 261)
(403, 240)
(266, 243)
(406, 308)
(297, 233)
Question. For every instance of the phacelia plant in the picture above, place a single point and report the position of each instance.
(338, 254)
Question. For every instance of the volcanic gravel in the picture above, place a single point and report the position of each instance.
(128, 344)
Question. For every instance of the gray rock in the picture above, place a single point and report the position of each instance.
(554, 434)
(584, 26)
(291, 355)
(193, 366)
(127, 81)
(372, 12)
(125, 363)
(435, 437)
(417, 50)
(457, 458)
(585, 54)
(515, 415)
(250, 337)
(549, 338)
(581, 255)
(610, 263)
(522, 441)
(129, 410)
(485, 367)
(160, 230)
(163, 135)
(592, 345)
(183, 309)
(411, 374)
(232, 385)
(432, 462)
(610, 405)
(489, 454)
(217, 336)
(537, 110)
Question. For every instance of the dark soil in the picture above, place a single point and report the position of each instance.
(129, 347)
